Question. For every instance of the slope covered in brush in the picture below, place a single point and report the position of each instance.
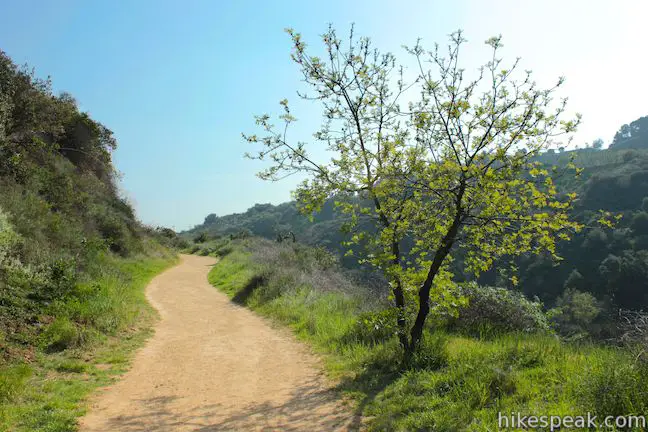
(61, 213)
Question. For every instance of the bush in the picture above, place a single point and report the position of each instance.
(168, 237)
(8, 237)
(575, 313)
(200, 238)
(493, 310)
(241, 234)
(374, 327)
(113, 228)
(193, 249)
(61, 278)
(223, 249)
(633, 330)
(205, 251)
(315, 257)
(63, 334)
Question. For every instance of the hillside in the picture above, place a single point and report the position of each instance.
(73, 258)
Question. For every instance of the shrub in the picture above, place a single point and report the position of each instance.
(575, 313)
(193, 249)
(294, 265)
(315, 257)
(629, 155)
(374, 327)
(61, 278)
(114, 230)
(223, 250)
(168, 237)
(200, 238)
(493, 310)
(63, 334)
(8, 237)
(633, 330)
(241, 234)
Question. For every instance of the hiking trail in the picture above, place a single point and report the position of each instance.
(214, 366)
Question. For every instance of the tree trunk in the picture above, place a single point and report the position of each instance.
(424, 292)
(417, 328)
(399, 295)
(399, 300)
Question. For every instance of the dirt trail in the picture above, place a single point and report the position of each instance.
(215, 366)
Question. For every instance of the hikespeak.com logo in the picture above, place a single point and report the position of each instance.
(516, 420)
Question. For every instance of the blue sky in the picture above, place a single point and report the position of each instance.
(178, 81)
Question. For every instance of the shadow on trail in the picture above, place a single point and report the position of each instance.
(244, 293)
(308, 407)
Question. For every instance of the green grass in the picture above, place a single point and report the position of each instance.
(233, 273)
(87, 345)
(456, 382)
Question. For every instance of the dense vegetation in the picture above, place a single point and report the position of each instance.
(73, 258)
(498, 355)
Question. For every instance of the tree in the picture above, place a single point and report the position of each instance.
(210, 219)
(598, 144)
(442, 173)
(576, 281)
(634, 135)
(200, 237)
(624, 278)
(639, 223)
(575, 312)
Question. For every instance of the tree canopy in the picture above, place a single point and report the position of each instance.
(633, 135)
(452, 169)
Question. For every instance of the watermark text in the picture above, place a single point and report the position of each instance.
(516, 420)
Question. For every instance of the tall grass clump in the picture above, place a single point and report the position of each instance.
(13, 380)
